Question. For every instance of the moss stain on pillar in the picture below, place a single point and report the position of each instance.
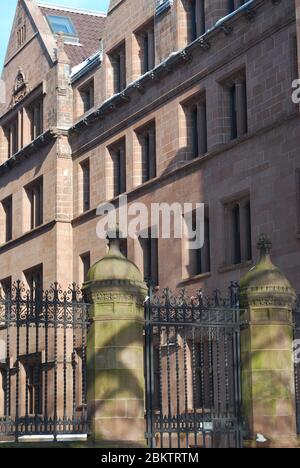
(115, 345)
(268, 384)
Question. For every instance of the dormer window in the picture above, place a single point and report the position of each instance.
(62, 24)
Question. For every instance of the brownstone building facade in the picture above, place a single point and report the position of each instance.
(164, 101)
(184, 100)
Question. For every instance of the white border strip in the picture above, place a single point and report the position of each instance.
(50, 438)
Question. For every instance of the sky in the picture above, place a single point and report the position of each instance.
(8, 7)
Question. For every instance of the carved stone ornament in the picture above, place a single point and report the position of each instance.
(115, 297)
(21, 88)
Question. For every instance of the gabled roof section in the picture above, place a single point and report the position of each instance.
(113, 4)
(88, 25)
(28, 15)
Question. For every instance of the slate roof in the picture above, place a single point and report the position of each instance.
(89, 27)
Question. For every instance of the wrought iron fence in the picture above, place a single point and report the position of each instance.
(42, 362)
(193, 395)
(297, 365)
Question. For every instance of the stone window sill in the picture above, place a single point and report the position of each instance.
(238, 266)
(194, 279)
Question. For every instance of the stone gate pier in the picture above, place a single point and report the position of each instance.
(268, 380)
(115, 362)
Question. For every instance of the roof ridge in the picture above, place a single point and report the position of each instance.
(71, 10)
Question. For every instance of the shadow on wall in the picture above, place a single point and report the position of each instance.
(33, 163)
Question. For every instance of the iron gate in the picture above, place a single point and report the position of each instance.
(192, 362)
(42, 362)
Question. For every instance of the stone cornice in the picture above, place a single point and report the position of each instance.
(115, 292)
(268, 297)
(114, 285)
(162, 6)
(46, 138)
(186, 168)
(169, 65)
(27, 236)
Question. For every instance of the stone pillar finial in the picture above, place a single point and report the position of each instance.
(61, 53)
(264, 245)
(114, 237)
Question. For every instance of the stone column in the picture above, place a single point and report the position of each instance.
(268, 384)
(115, 351)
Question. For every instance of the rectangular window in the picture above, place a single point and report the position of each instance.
(124, 247)
(247, 231)
(85, 98)
(298, 199)
(34, 385)
(34, 279)
(118, 63)
(146, 41)
(7, 222)
(150, 259)
(233, 113)
(238, 107)
(11, 132)
(238, 229)
(85, 265)
(234, 5)
(294, 57)
(199, 259)
(194, 131)
(85, 185)
(118, 158)
(34, 193)
(61, 24)
(196, 126)
(197, 18)
(6, 285)
(231, 6)
(35, 114)
(147, 141)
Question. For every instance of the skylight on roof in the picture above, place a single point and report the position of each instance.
(61, 24)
